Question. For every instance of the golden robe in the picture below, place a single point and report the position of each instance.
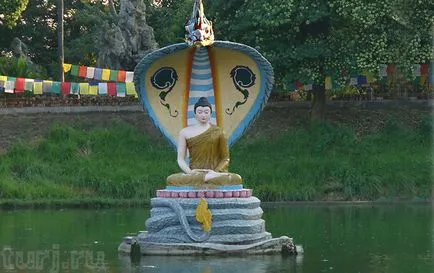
(208, 150)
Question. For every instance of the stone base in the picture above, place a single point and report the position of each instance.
(282, 245)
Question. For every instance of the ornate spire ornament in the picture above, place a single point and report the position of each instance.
(199, 30)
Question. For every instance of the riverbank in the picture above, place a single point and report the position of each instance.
(374, 155)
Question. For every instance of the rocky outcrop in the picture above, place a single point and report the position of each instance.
(123, 43)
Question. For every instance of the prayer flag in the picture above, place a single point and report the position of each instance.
(37, 87)
(114, 75)
(105, 74)
(55, 87)
(74, 70)
(93, 88)
(3, 80)
(416, 70)
(129, 76)
(75, 88)
(98, 74)
(121, 89)
(328, 83)
(308, 87)
(423, 80)
(66, 88)
(431, 73)
(131, 90)
(353, 81)
(29, 84)
(383, 70)
(46, 86)
(390, 69)
(361, 80)
(66, 67)
(369, 77)
(82, 71)
(19, 85)
(10, 85)
(122, 74)
(424, 69)
(90, 72)
(111, 89)
(102, 88)
(84, 88)
(298, 85)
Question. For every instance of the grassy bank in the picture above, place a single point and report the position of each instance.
(310, 162)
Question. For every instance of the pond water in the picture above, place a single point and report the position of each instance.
(341, 238)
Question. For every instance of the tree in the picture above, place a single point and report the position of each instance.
(10, 11)
(309, 40)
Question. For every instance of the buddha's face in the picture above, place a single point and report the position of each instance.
(203, 114)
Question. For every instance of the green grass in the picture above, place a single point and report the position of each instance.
(311, 162)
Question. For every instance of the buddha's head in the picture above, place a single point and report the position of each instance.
(202, 110)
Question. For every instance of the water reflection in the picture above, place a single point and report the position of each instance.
(248, 264)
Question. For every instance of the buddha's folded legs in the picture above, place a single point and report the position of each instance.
(182, 179)
(196, 179)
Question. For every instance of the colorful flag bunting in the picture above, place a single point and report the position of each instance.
(113, 75)
(383, 70)
(98, 74)
(111, 89)
(121, 89)
(93, 88)
(424, 69)
(10, 85)
(361, 80)
(82, 71)
(75, 88)
(84, 88)
(29, 84)
(66, 88)
(131, 90)
(66, 67)
(20, 85)
(90, 72)
(37, 87)
(105, 74)
(55, 87)
(122, 75)
(74, 70)
(46, 86)
(102, 88)
(328, 83)
(129, 76)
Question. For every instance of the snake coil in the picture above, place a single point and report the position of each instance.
(179, 211)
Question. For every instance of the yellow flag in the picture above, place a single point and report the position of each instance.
(84, 88)
(328, 83)
(37, 88)
(3, 78)
(93, 90)
(66, 67)
(369, 77)
(106, 74)
(131, 90)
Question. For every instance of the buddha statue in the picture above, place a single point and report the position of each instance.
(209, 153)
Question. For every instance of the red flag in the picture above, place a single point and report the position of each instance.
(122, 76)
(423, 70)
(298, 85)
(82, 72)
(111, 89)
(20, 85)
(390, 69)
(66, 88)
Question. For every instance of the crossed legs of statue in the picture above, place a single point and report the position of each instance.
(204, 178)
